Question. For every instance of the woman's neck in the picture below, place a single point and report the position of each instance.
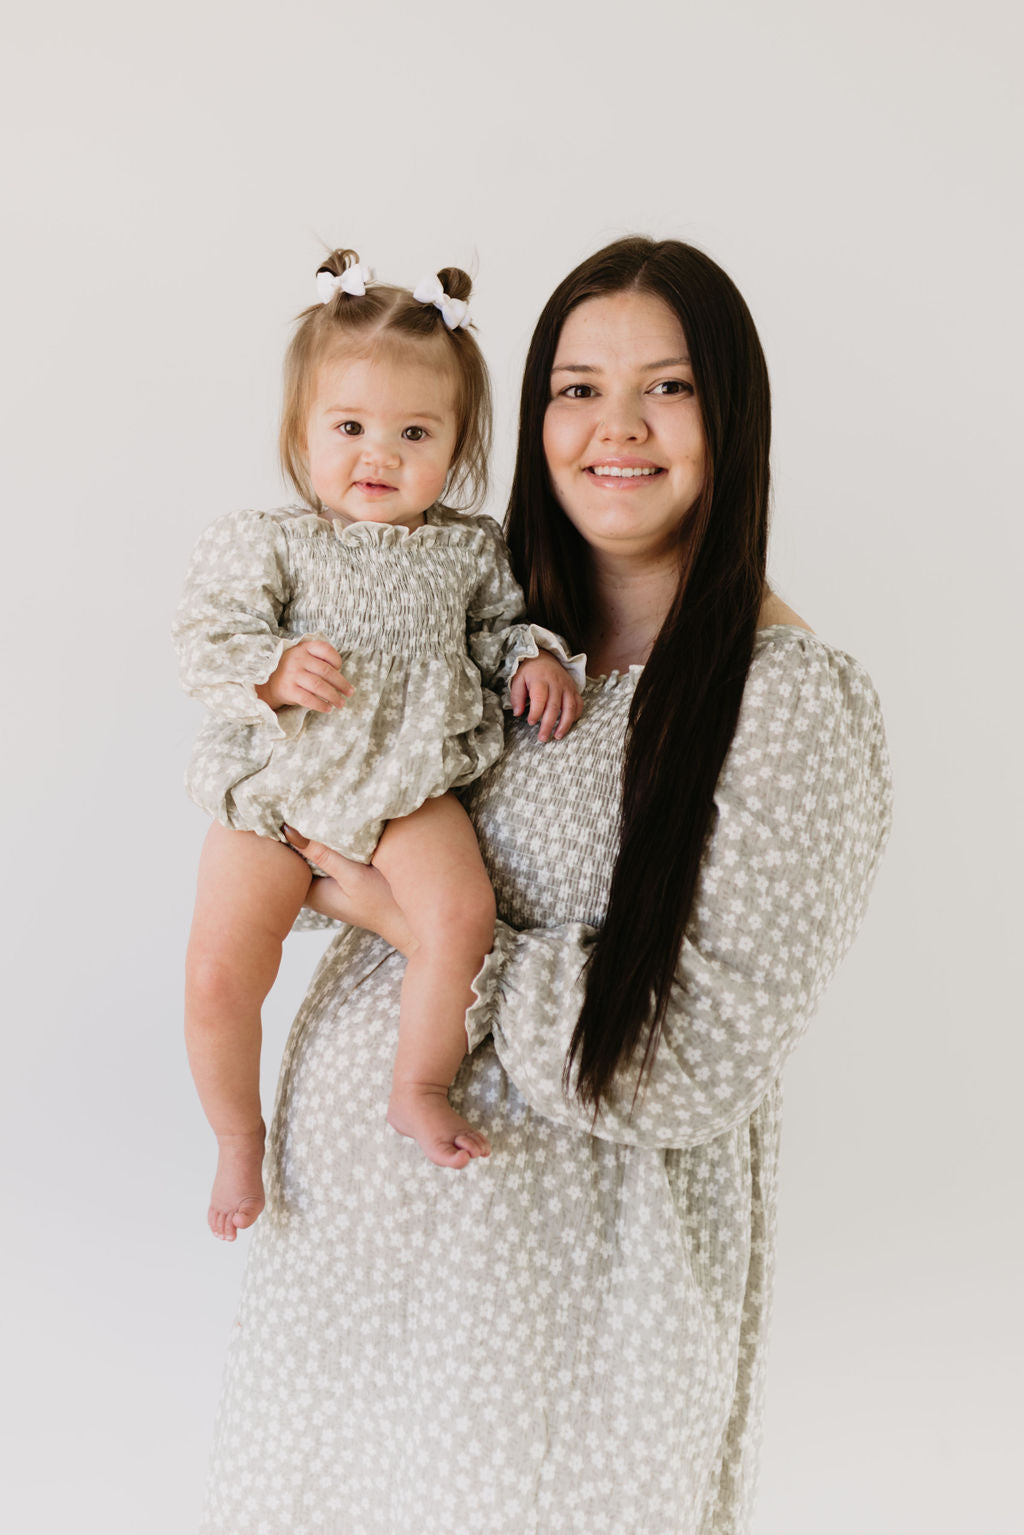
(631, 600)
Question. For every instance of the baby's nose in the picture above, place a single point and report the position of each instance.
(382, 453)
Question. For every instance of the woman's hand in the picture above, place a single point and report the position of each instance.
(308, 674)
(553, 696)
(356, 893)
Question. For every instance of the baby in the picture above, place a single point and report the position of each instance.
(353, 653)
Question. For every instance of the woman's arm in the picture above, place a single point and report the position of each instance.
(355, 893)
(802, 814)
(803, 809)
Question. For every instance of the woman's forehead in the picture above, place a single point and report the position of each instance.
(628, 328)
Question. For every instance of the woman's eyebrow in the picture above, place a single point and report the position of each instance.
(648, 367)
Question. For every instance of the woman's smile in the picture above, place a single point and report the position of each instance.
(624, 473)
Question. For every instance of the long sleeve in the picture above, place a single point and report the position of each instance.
(497, 635)
(227, 628)
(802, 813)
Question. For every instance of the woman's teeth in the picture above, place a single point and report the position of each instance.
(616, 472)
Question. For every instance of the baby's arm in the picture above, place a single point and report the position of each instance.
(552, 694)
(518, 659)
(230, 634)
(309, 675)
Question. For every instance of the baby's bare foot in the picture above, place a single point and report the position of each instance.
(424, 1114)
(237, 1196)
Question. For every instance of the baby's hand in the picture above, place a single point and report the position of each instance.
(308, 674)
(553, 695)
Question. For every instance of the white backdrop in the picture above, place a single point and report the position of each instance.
(171, 174)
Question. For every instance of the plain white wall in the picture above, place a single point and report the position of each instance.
(170, 175)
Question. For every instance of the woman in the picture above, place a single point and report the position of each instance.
(570, 1335)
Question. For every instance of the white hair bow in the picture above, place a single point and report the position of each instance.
(352, 281)
(454, 311)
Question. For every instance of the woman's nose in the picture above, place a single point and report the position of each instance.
(622, 421)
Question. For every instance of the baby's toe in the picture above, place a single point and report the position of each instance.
(246, 1213)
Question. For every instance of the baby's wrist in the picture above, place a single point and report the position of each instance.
(549, 656)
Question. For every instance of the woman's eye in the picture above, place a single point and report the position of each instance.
(414, 433)
(673, 386)
(576, 391)
(350, 428)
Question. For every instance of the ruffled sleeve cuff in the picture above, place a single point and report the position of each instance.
(285, 723)
(529, 641)
(487, 988)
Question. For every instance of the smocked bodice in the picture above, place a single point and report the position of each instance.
(405, 592)
(574, 785)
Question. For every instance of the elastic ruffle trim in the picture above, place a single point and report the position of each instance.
(486, 987)
(537, 638)
(285, 723)
(381, 535)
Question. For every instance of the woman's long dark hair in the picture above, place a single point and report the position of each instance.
(684, 711)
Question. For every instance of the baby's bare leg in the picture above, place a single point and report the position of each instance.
(249, 893)
(432, 863)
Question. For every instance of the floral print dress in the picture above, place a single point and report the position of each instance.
(570, 1335)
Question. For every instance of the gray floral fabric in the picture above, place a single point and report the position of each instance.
(569, 1336)
(428, 624)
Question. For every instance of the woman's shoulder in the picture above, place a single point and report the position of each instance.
(809, 751)
(800, 685)
(776, 613)
(786, 645)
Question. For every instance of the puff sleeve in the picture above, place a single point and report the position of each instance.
(802, 813)
(497, 635)
(227, 629)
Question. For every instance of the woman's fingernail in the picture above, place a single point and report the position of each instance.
(295, 837)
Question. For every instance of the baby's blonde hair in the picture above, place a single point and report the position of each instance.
(389, 317)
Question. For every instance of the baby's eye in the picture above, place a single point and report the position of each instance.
(673, 386)
(349, 428)
(573, 392)
(414, 433)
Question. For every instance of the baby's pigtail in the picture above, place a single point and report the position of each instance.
(445, 305)
(341, 278)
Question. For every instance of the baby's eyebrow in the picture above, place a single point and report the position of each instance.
(648, 367)
(354, 410)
